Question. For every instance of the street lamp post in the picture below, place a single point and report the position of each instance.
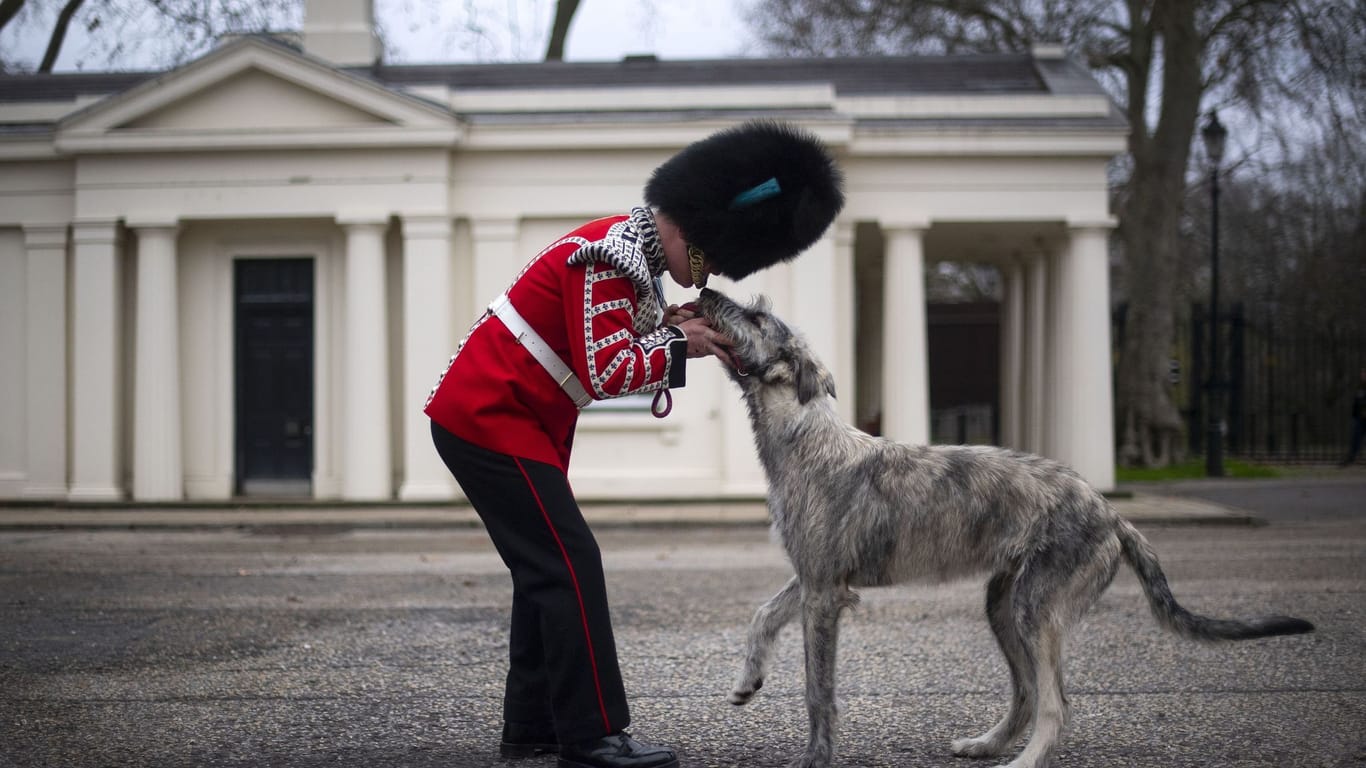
(1214, 134)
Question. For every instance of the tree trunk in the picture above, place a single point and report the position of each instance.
(559, 30)
(54, 45)
(8, 8)
(1152, 215)
(1143, 400)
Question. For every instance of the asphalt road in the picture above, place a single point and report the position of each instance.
(385, 648)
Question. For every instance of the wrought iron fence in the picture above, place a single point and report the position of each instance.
(1287, 388)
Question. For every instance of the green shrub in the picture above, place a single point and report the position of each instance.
(1190, 470)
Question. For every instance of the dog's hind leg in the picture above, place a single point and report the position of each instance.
(771, 617)
(820, 633)
(1052, 592)
(1051, 709)
(1004, 734)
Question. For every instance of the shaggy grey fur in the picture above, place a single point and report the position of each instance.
(854, 510)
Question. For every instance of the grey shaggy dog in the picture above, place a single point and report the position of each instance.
(854, 510)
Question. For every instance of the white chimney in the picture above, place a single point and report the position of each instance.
(341, 31)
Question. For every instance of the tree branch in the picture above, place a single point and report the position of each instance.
(8, 9)
(54, 44)
(559, 29)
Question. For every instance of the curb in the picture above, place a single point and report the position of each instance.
(330, 519)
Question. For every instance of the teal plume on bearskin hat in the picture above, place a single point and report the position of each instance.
(750, 196)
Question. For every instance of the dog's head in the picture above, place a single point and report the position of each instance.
(766, 351)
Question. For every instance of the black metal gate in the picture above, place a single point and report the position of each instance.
(1287, 389)
(274, 376)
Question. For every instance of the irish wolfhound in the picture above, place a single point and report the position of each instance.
(855, 510)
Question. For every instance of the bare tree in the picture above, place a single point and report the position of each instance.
(8, 10)
(165, 32)
(559, 29)
(54, 44)
(170, 32)
(1161, 58)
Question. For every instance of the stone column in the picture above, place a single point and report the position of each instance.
(1035, 353)
(905, 345)
(845, 314)
(96, 367)
(367, 467)
(496, 259)
(157, 459)
(1012, 354)
(1086, 334)
(815, 307)
(1057, 388)
(428, 342)
(45, 360)
(868, 324)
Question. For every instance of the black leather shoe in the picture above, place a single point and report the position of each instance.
(618, 750)
(528, 740)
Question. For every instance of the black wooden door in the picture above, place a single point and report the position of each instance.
(274, 365)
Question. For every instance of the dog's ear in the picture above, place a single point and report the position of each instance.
(812, 379)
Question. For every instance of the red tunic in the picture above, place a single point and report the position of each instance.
(600, 312)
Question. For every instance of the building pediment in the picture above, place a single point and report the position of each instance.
(256, 94)
(254, 99)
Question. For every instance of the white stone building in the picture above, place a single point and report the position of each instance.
(243, 276)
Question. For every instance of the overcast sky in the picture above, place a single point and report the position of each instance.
(603, 30)
(677, 29)
(477, 30)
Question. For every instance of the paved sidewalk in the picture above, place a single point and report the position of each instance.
(1138, 507)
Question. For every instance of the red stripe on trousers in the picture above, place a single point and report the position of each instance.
(592, 657)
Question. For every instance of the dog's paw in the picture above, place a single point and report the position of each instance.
(809, 761)
(976, 748)
(742, 694)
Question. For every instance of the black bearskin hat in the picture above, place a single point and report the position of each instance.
(749, 196)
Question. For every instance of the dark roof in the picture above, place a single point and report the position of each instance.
(1005, 73)
(68, 86)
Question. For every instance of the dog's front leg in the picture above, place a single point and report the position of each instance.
(771, 617)
(820, 631)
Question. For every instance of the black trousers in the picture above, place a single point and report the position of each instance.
(562, 656)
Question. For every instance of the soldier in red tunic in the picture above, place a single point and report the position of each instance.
(586, 320)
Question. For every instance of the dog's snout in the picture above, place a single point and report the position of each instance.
(709, 301)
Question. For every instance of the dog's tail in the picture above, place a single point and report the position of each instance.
(1171, 615)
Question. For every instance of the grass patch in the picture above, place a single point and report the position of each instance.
(1192, 470)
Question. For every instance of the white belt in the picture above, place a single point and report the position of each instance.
(532, 341)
